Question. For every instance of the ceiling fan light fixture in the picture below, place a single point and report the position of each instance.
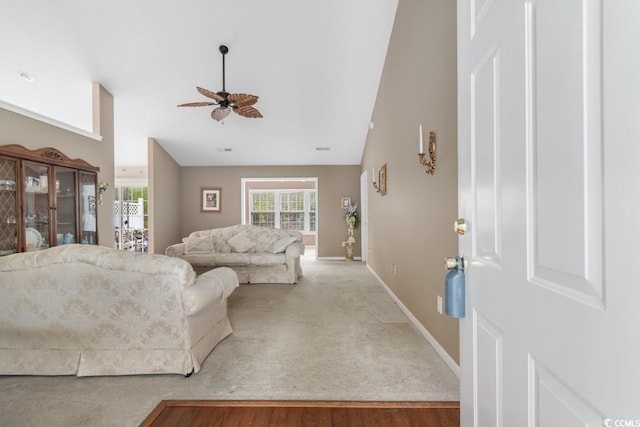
(240, 103)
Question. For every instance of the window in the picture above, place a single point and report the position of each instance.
(284, 209)
(292, 211)
(263, 209)
(312, 211)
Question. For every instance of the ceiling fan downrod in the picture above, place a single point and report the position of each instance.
(223, 50)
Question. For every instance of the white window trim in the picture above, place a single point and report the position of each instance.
(243, 193)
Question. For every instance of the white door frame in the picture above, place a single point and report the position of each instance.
(364, 241)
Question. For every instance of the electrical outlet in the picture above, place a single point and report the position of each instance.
(439, 304)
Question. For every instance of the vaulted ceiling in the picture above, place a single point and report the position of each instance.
(315, 66)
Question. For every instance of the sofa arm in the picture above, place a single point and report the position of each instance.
(227, 277)
(214, 284)
(176, 250)
(294, 250)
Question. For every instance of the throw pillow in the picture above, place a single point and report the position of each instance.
(241, 242)
(197, 245)
(281, 245)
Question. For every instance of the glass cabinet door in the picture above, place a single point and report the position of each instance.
(36, 206)
(66, 206)
(88, 208)
(8, 207)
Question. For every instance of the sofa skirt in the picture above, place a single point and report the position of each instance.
(101, 362)
(258, 274)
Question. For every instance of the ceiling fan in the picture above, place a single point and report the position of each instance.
(240, 103)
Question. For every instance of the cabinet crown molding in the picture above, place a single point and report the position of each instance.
(47, 155)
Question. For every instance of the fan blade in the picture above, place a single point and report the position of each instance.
(242, 99)
(197, 104)
(210, 94)
(220, 113)
(248, 111)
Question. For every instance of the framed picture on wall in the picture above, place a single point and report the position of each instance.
(210, 199)
(345, 202)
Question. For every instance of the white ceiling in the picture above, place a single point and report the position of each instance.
(315, 65)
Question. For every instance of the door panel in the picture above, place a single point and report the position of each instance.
(564, 137)
(554, 404)
(485, 156)
(488, 381)
(479, 9)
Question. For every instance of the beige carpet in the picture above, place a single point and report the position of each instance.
(336, 335)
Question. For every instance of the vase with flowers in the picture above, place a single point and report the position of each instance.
(352, 216)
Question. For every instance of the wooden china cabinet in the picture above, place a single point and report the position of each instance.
(46, 199)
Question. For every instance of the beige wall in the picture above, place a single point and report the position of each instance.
(31, 133)
(412, 226)
(164, 196)
(334, 182)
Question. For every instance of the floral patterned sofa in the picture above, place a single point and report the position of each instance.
(256, 254)
(90, 310)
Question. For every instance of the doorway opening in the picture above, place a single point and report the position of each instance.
(131, 218)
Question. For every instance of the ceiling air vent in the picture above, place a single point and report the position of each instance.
(224, 149)
(323, 148)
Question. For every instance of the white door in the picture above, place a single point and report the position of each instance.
(364, 245)
(549, 183)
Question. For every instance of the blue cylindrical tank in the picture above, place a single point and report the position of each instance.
(455, 290)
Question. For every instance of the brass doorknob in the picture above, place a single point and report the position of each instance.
(450, 262)
(460, 226)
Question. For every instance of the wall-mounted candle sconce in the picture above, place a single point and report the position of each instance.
(102, 187)
(422, 158)
(381, 185)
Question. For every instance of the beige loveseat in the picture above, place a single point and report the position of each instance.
(256, 254)
(89, 310)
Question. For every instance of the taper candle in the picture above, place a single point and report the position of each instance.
(421, 143)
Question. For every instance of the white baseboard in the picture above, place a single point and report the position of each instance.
(436, 345)
(337, 258)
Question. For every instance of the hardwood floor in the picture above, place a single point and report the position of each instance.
(273, 413)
